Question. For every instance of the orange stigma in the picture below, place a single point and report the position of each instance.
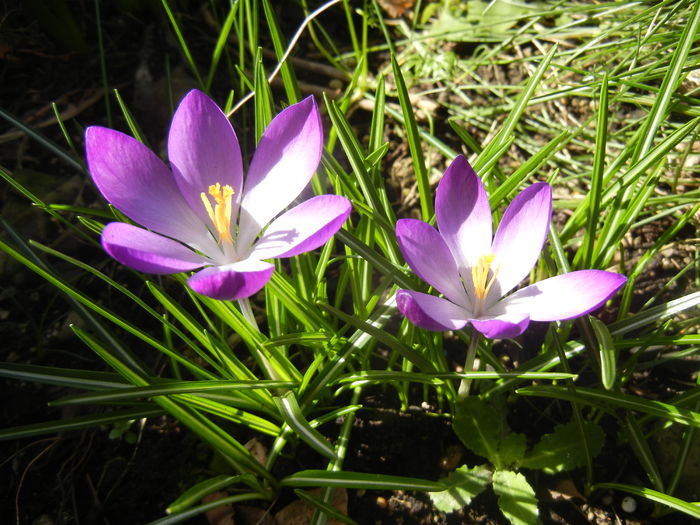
(220, 214)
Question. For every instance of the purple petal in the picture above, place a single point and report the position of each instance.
(303, 228)
(430, 312)
(429, 257)
(565, 296)
(148, 252)
(203, 150)
(521, 235)
(232, 281)
(138, 184)
(502, 326)
(463, 213)
(284, 162)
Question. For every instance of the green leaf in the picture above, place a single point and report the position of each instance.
(462, 485)
(686, 507)
(358, 480)
(512, 448)
(563, 450)
(201, 489)
(414, 144)
(292, 415)
(613, 400)
(608, 356)
(478, 424)
(516, 499)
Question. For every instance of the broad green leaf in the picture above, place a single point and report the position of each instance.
(479, 424)
(562, 449)
(511, 449)
(461, 486)
(516, 499)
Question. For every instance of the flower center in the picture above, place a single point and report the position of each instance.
(220, 214)
(480, 276)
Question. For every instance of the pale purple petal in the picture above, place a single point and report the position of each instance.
(232, 281)
(430, 259)
(284, 162)
(520, 236)
(565, 296)
(138, 184)
(502, 326)
(430, 312)
(148, 252)
(203, 150)
(463, 213)
(303, 228)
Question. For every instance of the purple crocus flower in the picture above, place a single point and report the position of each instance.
(475, 272)
(199, 213)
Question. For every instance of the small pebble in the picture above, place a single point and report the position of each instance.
(629, 504)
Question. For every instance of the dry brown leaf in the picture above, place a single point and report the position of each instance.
(395, 8)
(300, 513)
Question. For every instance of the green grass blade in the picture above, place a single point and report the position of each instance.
(130, 121)
(359, 480)
(597, 175)
(691, 509)
(195, 493)
(221, 44)
(77, 423)
(289, 81)
(165, 387)
(225, 444)
(380, 335)
(670, 82)
(616, 400)
(608, 356)
(414, 143)
(46, 143)
(508, 128)
(292, 415)
(202, 509)
(183, 44)
(640, 446)
(67, 377)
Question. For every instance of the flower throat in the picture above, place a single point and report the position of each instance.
(480, 276)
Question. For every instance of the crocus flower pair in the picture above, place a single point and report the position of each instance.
(475, 272)
(200, 212)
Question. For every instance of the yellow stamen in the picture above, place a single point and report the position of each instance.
(480, 276)
(220, 214)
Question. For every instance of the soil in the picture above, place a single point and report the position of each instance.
(121, 474)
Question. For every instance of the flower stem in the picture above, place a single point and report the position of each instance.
(247, 312)
(465, 384)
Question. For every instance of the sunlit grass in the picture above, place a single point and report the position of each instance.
(599, 100)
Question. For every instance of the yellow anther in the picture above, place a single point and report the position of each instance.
(480, 276)
(220, 214)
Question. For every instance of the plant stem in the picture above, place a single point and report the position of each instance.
(465, 384)
(247, 312)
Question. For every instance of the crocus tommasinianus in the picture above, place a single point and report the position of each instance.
(474, 272)
(200, 213)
